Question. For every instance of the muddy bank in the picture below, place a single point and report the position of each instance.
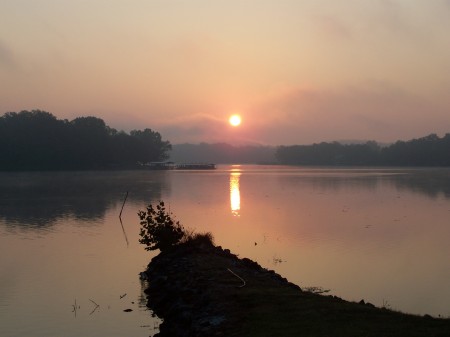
(202, 290)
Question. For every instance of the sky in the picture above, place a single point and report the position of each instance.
(297, 71)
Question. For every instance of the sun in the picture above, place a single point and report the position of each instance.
(235, 120)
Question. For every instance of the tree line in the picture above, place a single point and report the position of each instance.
(37, 140)
(431, 150)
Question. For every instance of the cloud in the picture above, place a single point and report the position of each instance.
(333, 27)
(369, 111)
(193, 128)
(6, 56)
(366, 111)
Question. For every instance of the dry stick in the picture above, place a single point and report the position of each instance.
(120, 218)
(96, 307)
(243, 281)
(124, 233)
(124, 200)
(94, 302)
(75, 308)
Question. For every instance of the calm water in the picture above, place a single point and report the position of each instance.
(375, 234)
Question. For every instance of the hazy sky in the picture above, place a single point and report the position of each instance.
(298, 71)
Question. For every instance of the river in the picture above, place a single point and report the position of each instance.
(69, 266)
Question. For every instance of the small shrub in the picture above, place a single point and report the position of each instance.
(158, 229)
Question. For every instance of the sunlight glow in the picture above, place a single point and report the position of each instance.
(235, 120)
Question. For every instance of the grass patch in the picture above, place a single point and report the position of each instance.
(283, 311)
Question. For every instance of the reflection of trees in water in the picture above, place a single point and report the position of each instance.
(429, 182)
(338, 183)
(39, 199)
(332, 182)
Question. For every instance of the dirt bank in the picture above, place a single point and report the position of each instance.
(202, 290)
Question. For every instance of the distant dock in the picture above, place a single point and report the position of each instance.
(194, 166)
(183, 166)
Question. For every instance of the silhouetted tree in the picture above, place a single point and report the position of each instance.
(158, 228)
(30, 139)
(329, 154)
(426, 151)
(37, 140)
(152, 147)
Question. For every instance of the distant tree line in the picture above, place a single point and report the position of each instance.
(37, 140)
(426, 151)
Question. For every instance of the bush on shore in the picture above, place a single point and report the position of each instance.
(159, 230)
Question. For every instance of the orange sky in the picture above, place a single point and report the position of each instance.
(297, 71)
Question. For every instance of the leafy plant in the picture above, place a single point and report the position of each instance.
(158, 229)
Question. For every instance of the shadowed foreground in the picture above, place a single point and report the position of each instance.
(202, 290)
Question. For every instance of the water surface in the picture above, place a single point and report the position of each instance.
(375, 234)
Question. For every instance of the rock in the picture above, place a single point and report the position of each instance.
(186, 288)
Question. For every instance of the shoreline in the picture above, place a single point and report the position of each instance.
(204, 290)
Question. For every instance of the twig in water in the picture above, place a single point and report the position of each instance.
(75, 307)
(124, 233)
(243, 281)
(122, 296)
(120, 218)
(124, 200)
(96, 307)
(94, 302)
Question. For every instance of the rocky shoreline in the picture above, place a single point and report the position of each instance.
(189, 297)
(204, 290)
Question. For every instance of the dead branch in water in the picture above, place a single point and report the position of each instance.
(124, 233)
(120, 218)
(95, 308)
(243, 281)
(124, 200)
(75, 307)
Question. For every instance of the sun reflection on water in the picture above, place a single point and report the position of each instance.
(235, 195)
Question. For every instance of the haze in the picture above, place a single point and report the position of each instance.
(296, 71)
